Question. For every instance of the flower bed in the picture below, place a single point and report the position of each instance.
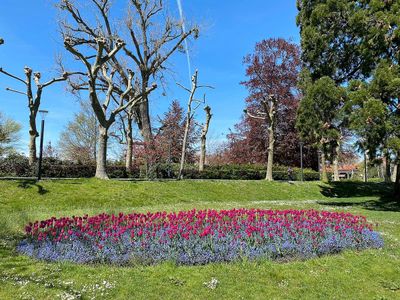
(198, 236)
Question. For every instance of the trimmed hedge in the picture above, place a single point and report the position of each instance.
(235, 172)
(247, 174)
(17, 166)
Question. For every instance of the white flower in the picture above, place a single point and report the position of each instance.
(211, 284)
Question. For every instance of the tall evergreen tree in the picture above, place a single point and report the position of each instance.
(319, 119)
(357, 39)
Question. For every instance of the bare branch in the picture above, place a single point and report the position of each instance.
(118, 46)
(186, 89)
(69, 46)
(206, 86)
(12, 76)
(15, 91)
(158, 62)
(135, 100)
(68, 6)
(254, 116)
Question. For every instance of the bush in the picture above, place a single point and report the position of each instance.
(248, 172)
(17, 165)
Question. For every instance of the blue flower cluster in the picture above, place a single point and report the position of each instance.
(198, 250)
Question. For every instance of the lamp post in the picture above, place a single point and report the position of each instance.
(365, 167)
(43, 113)
(319, 163)
(301, 160)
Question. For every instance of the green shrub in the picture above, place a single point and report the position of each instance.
(18, 166)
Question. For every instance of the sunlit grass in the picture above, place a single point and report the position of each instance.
(371, 274)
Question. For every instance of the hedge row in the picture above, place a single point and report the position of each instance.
(236, 173)
(17, 166)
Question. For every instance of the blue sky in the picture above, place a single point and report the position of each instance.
(230, 30)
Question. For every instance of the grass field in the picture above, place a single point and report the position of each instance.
(372, 274)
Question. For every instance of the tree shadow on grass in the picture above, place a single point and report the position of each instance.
(29, 183)
(380, 190)
(356, 189)
(66, 182)
(377, 205)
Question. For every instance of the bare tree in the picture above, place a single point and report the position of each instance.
(203, 138)
(95, 48)
(152, 44)
(33, 92)
(154, 37)
(190, 113)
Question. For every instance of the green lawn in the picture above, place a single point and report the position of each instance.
(372, 274)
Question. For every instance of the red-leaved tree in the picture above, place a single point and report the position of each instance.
(272, 73)
(247, 143)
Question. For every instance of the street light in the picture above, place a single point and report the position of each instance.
(43, 114)
(365, 167)
(301, 160)
(319, 152)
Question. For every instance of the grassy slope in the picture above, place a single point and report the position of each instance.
(371, 274)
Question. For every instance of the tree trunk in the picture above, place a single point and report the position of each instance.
(323, 167)
(144, 122)
(188, 123)
(129, 146)
(184, 144)
(203, 138)
(394, 173)
(33, 134)
(32, 147)
(397, 184)
(101, 172)
(270, 162)
(336, 164)
(386, 165)
(365, 167)
(144, 125)
(129, 155)
(202, 153)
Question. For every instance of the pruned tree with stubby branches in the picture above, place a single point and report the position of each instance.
(192, 105)
(33, 89)
(272, 72)
(152, 36)
(203, 138)
(95, 45)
